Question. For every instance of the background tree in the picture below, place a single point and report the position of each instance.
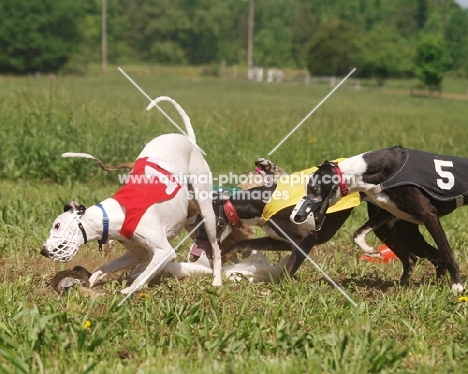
(334, 49)
(306, 21)
(384, 54)
(456, 37)
(273, 46)
(49, 35)
(38, 35)
(273, 35)
(155, 29)
(232, 41)
(431, 61)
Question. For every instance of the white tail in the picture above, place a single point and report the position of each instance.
(180, 110)
(121, 165)
(81, 155)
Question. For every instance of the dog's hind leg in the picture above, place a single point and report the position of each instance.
(206, 211)
(422, 209)
(407, 242)
(388, 235)
(125, 261)
(205, 208)
(408, 234)
(434, 227)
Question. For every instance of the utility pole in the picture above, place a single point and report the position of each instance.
(250, 40)
(104, 36)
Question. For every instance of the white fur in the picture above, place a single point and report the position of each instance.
(149, 248)
(457, 288)
(360, 240)
(256, 268)
(352, 170)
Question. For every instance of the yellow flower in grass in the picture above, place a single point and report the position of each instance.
(144, 295)
(87, 325)
(463, 299)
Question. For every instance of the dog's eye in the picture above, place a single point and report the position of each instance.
(57, 225)
(313, 189)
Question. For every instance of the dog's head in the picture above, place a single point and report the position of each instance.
(322, 192)
(67, 234)
(266, 173)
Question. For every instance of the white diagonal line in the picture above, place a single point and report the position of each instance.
(160, 109)
(312, 111)
(188, 235)
(137, 287)
(315, 264)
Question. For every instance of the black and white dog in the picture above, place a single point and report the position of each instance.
(401, 236)
(412, 185)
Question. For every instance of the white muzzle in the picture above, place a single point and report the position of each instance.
(309, 222)
(63, 247)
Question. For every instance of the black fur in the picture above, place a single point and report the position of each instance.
(402, 237)
(411, 199)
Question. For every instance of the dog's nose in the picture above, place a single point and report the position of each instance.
(44, 252)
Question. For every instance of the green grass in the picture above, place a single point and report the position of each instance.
(177, 326)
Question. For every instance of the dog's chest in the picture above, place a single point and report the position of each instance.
(443, 177)
(147, 185)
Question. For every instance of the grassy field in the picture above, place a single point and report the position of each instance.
(179, 326)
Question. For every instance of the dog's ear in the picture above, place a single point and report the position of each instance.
(269, 167)
(67, 207)
(74, 206)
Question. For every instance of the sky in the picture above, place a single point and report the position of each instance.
(463, 3)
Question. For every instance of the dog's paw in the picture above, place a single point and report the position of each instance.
(126, 290)
(369, 251)
(217, 282)
(96, 276)
(457, 288)
(374, 254)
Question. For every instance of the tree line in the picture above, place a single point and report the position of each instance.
(382, 38)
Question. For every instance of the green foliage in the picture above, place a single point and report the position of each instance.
(273, 38)
(300, 325)
(174, 32)
(306, 19)
(273, 46)
(66, 35)
(334, 49)
(38, 35)
(456, 38)
(431, 61)
(43, 118)
(384, 54)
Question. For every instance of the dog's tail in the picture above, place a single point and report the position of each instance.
(121, 165)
(180, 110)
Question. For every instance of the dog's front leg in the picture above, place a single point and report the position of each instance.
(158, 262)
(376, 221)
(125, 261)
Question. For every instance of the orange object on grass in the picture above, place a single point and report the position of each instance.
(387, 254)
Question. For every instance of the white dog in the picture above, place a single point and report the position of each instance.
(175, 167)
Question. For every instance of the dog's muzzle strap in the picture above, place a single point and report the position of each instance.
(85, 237)
(105, 227)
